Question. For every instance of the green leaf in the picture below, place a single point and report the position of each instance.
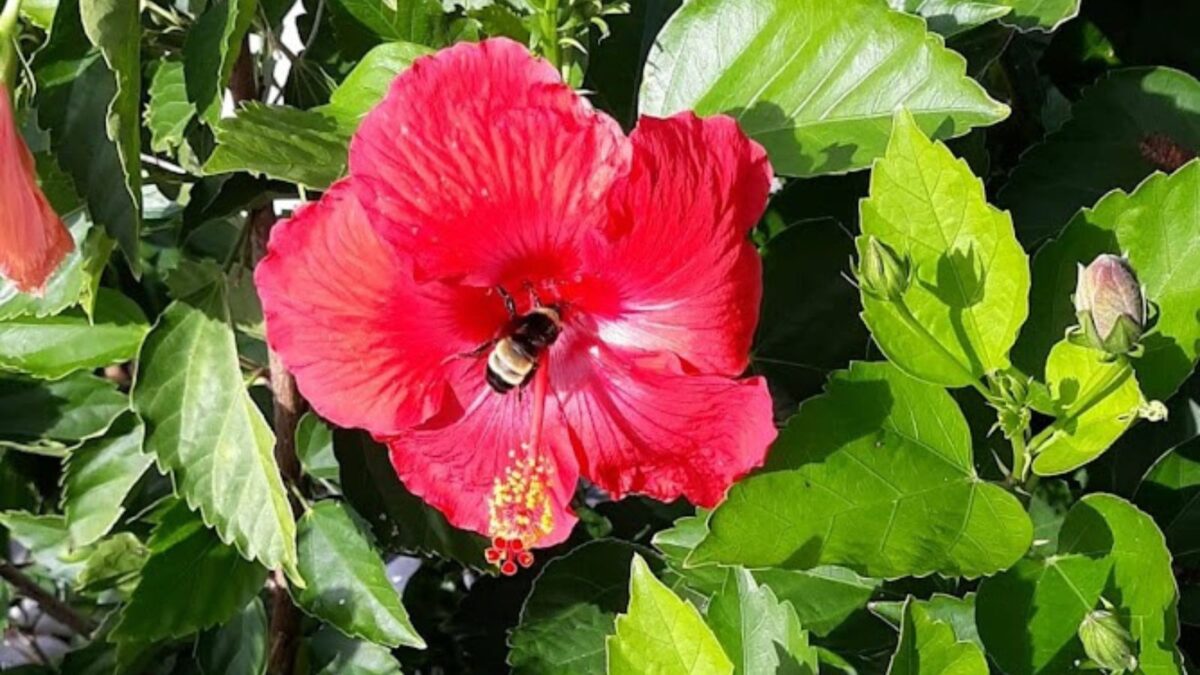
(190, 582)
(875, 475)
(1028, 615)
(46, 539)
(55, 346)
(239, 647)
(348, 585)
(1158, 227)
(571, 610)
(367, 84)
(958, 613)
(969, 292)
(951, 17)
(1170, 493)
(336, 654)
(1095, 402)
(39, 12)
(823, 597)
(5, 600)
(82, 103)
(758, 632)
(661, 633)
(398, 517)
(51, 416)
(1040, 15)
(815, 82)
(74, 283)
(99, 475)
(314, 448)
(206, 431)
(114, 27)
(299, 146)
(418, 21)
(1100, 148)
(212, 48)
(929, 647)
(169, 111)
(113, 566)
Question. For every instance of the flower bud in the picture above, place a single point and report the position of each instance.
(883, 273)
(1110, 305)
(1106, 642)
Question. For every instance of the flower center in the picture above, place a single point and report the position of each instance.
(519, 508)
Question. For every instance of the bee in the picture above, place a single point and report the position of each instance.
(513, 358)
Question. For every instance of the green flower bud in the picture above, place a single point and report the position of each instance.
(1110, 305)
(1106, 642)
(883, 273)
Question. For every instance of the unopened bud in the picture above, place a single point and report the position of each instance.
(1110, 305)
(883, 273)
(1106, 642)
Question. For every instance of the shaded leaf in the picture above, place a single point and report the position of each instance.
(571, 610)
(279, 142)
(46, 539)
(1028, 615)
(51, 416)
(1158, 227)
(99, 475)
(759, 633)
(661, 633)
(314, 448)
(1040, 15)
(970, 280)
(336, 654)
(347, 585)
(1170, 493)
(951, 17)
(212, 48)
(55, 346)
(799, 78)
(190, 582)
(239, 647)
(1101, 147)
(418, 21)
(113, 566)
(929, 646)
(875, 475)
(209, 435)
(169, 110)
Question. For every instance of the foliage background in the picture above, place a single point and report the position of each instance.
(170, 135)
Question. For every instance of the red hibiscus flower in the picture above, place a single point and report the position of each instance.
(512, 293)
(33, 239)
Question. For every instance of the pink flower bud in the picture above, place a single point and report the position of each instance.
(1110, 304)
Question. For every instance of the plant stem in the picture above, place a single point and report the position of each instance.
(1020, 456)
(57, 609)
(551, 47)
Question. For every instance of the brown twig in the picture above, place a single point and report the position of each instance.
(57, 609)
(288, 407)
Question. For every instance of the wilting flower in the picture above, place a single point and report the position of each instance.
(1110, 305)
(33, 239)
(483, 178)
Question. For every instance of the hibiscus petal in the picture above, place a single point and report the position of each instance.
(369, 346)
(454, 460)
(483, 165)
(640, 424)
(680, 271)
(33, 239)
